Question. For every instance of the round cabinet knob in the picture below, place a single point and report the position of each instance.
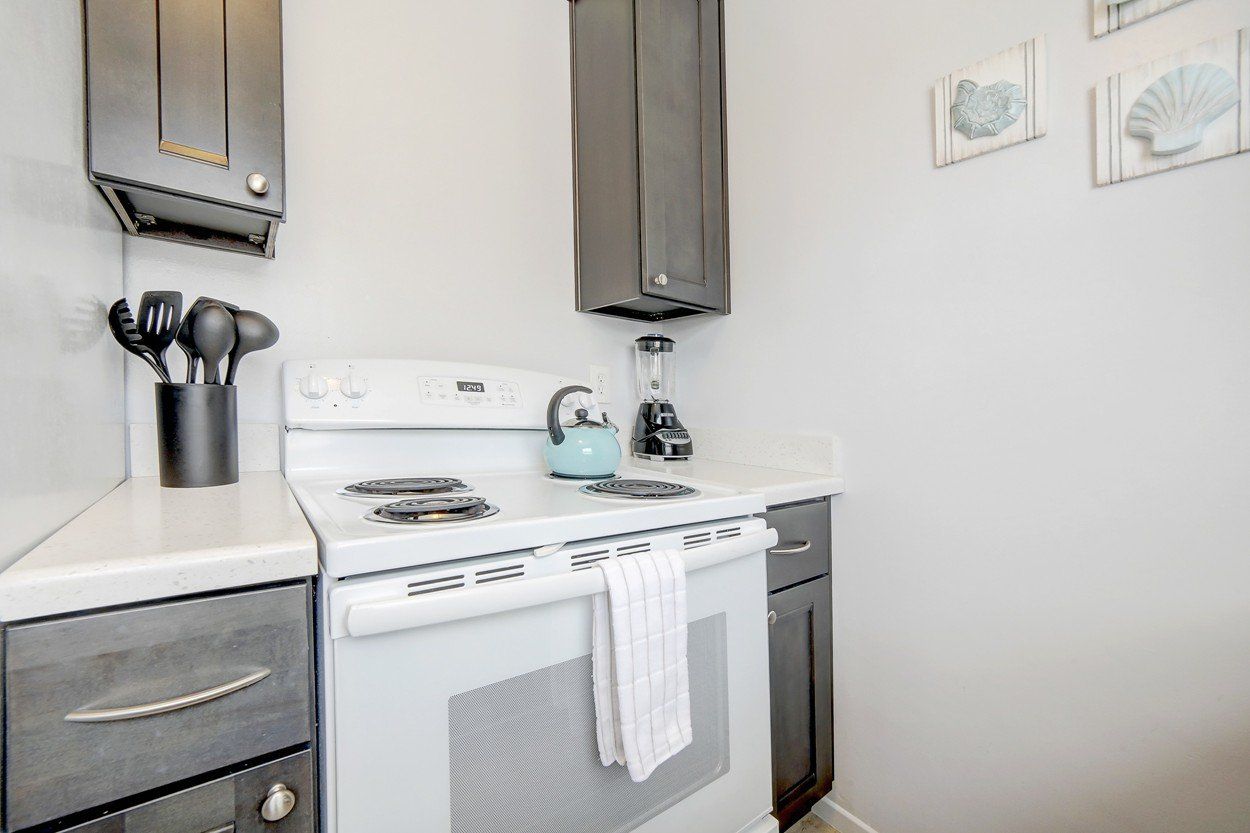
(257, 184)
(353, 386)
(772, 617)
(313, 386)
(661, 280)
(278, 804)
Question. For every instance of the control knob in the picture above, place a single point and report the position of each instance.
(313, 386)
(353, 385)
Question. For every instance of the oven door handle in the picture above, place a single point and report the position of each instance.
(370, 618)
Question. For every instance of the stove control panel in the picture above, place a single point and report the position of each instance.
(416, 393)
(469, 393)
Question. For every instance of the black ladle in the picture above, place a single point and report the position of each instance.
(212, 333)
(185, 342)
(253, 332)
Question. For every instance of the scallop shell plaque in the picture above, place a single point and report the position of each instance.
(1175, 111)
(989, 110)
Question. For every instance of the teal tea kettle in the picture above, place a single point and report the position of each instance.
(581, 448)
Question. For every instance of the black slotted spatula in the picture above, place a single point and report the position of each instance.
(158, 319)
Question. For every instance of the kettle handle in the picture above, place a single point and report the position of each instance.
(553, 411)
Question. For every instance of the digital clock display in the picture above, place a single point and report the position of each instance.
(471, 387)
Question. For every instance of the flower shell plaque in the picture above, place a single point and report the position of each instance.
(987, 111)
(994, 104)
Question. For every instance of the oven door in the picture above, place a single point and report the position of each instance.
(472, 711)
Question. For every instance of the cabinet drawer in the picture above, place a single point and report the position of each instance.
(803, 546)
(227, 805)
(104, 706)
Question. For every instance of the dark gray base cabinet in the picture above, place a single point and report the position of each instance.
(649, 158)
(800, 611)
(799, 668)
(185, 125)
(196, 708)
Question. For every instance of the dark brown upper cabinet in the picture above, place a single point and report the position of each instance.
(184, 103)
(649, 158)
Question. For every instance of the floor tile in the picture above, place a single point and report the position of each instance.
(811, 824)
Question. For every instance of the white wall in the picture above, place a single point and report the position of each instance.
(60, 268)
(1041, 566)
(430, 206)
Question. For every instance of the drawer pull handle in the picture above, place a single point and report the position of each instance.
(225, 828)
(795, 549)
(163, 706)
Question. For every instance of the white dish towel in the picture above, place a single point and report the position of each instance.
(641, 678)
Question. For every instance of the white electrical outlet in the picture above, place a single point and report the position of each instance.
(602, 377)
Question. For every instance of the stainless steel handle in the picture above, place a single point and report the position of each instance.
(661, 280)
(794, 549)
(278, 804)
(225, 828)
(772, 618)
(171, 705)
(257, 184)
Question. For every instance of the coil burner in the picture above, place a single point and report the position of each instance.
(433, 510)
(632, 489)
(405, 487)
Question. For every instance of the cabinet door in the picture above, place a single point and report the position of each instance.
(681, 150)
(800, 665)
(185, 96)
(227, 805)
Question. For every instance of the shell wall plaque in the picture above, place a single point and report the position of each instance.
(1111, 16)
(991, 105)
(1175, 111)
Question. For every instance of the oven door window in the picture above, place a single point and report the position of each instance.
(530, 740)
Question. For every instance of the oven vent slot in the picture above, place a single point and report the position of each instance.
(698, 539)
(731, 532)
(499, 573)
(436, 585)
(584, 560)
(634, 549)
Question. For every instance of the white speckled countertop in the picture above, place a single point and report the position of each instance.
(141, 542)
(776, 485)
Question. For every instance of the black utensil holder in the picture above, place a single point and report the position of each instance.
(197, 435)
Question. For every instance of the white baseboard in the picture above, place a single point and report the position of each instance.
(767, 824)
(830, 813)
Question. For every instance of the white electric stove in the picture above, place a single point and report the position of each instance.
(454, 604)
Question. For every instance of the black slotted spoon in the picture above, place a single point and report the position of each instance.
(122, 326)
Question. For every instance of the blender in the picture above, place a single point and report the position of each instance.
(658, 433)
